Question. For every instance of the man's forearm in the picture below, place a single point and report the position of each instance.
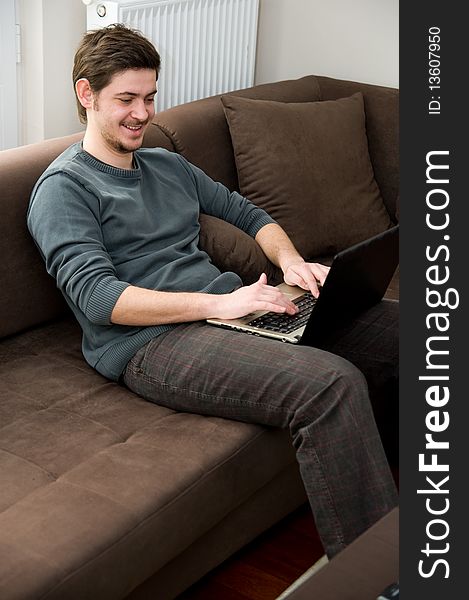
(140, 307)
(277, 246)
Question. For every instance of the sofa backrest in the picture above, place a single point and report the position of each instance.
(198, 130)
(28, 296)
(382, 130)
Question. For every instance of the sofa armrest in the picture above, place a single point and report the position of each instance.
(233, 250)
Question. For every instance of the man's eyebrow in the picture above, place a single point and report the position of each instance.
(134, 94)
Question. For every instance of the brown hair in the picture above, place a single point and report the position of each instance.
(110, 50)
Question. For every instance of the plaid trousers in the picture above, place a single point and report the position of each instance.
(321, 395)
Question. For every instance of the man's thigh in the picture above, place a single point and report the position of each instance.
(371, 343)
(204, 369)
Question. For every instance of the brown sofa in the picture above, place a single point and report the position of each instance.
(104, 495)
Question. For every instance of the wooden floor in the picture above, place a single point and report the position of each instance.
(271, 563)
(266, 567)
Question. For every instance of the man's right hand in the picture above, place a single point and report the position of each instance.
(250, 298)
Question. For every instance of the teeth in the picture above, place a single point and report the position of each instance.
(133, 127)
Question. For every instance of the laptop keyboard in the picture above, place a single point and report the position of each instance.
(283, 323)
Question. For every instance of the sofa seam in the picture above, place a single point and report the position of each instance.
(172, 137)
(27, 460)
(160, 510)
(99, 494)
(158, 126)
(77, 414)
(40, 408)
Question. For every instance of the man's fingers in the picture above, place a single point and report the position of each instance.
(310, 281)
(278, 308)
(273, 299)
(312, 285)
(303, 279)
(307, 276)
(281, 302)
(277, 301)
(323, 272)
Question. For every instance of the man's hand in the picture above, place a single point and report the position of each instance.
(279, 249)
(306, 275)
(250, 298)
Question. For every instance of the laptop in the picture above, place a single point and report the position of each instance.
(358, 279)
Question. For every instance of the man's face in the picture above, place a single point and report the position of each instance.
(122, 111)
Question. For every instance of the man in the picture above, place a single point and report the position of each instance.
(117, 226)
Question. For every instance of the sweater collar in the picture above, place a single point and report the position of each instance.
(109, 169)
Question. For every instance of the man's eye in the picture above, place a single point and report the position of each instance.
(125, 100)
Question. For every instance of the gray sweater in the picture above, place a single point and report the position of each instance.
(101, 229)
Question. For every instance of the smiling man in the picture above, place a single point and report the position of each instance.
(118, 115)
(118, 228)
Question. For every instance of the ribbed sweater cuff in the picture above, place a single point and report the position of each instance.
(103, 299)
(258, 224)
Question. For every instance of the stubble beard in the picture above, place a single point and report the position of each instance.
(116, 144)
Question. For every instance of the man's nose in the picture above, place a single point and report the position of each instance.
(139, 111)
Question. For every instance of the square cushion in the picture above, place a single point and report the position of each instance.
(307, 164)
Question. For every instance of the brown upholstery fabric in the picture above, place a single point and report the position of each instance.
(198, 130)
(95, 481)
(29, 295)
(233, 250)
(156, 138)
(308, 166)
(382, 128)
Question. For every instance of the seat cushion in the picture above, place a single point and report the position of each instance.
(93, 475)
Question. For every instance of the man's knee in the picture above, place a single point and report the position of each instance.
(341, 385)
(338, 405)
(350, 381)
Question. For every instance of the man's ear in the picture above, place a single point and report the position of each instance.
(84, 93)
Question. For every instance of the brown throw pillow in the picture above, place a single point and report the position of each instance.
(230, 249)
(307, 164)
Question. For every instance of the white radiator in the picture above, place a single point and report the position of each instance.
(207, 47)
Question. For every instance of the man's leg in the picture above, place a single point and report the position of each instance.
(322, 398)
(371, 343)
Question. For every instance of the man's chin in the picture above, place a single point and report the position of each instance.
(129, 148)
(124, 146)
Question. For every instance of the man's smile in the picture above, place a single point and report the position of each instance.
(136, 127)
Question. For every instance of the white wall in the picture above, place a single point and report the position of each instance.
(346, 39)
(8, 76)
(51, 31)
(64, 25)
(32, 71)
